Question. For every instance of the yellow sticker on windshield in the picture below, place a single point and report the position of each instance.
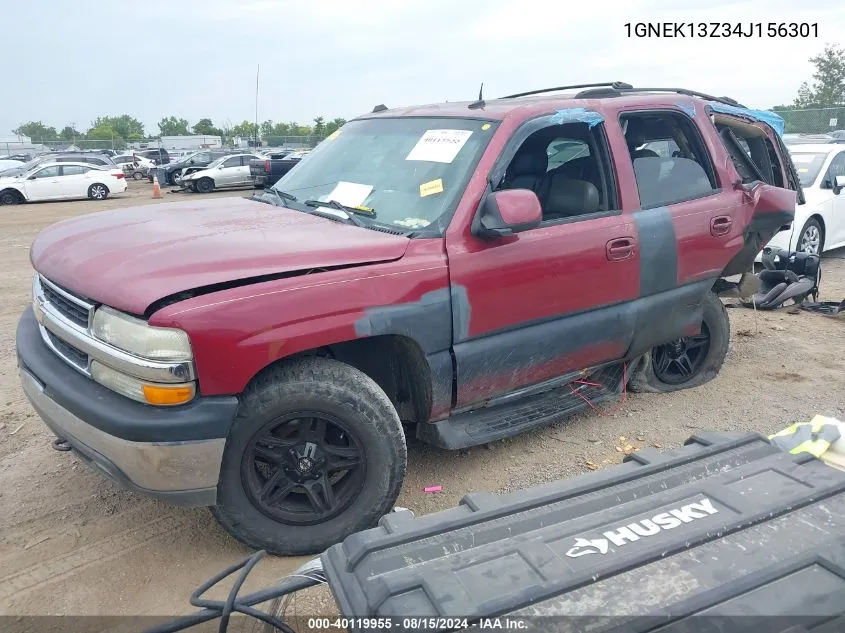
(333, 135)
(485, 127)
(431, 187)
(803, 170)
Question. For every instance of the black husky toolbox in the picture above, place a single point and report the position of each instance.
(725, 534)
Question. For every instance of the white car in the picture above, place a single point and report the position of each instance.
(125, 160)
(227, 171)
(62, 181)
(8, 164)
(820, 223)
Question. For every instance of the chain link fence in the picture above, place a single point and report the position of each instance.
(804, 121)
(814, 121)
(36, 146)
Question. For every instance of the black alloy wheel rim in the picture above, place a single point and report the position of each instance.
(679, 361)
(303, 468)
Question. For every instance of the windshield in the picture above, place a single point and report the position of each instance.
(409, 171)
(808, 165)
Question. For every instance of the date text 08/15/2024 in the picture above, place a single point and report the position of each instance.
(721, 29)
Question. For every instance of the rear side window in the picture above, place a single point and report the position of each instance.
(670, 161)
(73, 170)
(95, 161)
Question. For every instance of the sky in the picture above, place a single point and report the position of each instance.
(70, 61)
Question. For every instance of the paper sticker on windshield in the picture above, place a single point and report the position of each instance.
(439, 146)
(431, 187)
(349, 194)
(803, 170)
(412, 223)
(333, 135)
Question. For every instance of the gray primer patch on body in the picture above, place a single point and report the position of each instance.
(658, 251)
(461, 313)
(427, 321)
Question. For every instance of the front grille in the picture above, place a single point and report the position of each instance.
(70, 353)
(72, 311)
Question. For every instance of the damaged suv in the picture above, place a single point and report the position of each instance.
(462, 271)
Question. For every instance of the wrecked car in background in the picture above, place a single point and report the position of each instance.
(227, 171)
(426, 268)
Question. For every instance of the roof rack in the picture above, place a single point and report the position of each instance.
(617, 85)
(614, 91)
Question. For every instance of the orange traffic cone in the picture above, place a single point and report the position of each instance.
(156, 187)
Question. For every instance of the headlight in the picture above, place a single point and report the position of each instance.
(148, 393)
(36, 304)
(137, 337)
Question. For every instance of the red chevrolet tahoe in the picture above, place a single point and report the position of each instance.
(463, 272)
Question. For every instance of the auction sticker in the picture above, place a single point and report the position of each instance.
(439, 146)
(431, 187)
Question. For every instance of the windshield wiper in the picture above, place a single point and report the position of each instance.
(334, 204)
(283, 197)
(350, 216)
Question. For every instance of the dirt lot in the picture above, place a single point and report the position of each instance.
(72, 543)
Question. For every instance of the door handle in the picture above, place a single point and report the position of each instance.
(620, 249)
(721, 225)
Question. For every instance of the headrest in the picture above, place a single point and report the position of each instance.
(572, 197)
(635, 133)
(533, 161)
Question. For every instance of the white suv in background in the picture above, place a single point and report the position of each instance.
(820, 223)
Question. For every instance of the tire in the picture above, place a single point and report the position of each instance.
(10, 196)
(294, 396)
(811, 235)
(98, 191)
(137, 175)
(704, 354)
(205, 185)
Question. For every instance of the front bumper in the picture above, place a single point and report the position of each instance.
(170, 453)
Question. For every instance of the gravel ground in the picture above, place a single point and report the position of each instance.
(72, 543)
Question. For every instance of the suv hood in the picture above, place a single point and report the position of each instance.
(130, 258)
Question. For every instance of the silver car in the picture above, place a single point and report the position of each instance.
(227, 171)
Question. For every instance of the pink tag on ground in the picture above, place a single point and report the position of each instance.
(431, 489)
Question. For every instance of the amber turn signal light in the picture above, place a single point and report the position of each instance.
(162, 395)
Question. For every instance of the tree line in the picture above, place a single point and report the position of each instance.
(123, 129)
(826, 91)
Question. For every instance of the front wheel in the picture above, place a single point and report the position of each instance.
(690, 361)
(137, 175)
(10, 196)
(98, 191)
(316, 453)
(205, 185)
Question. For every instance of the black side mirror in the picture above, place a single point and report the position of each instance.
(838, 185)
(504, 213)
